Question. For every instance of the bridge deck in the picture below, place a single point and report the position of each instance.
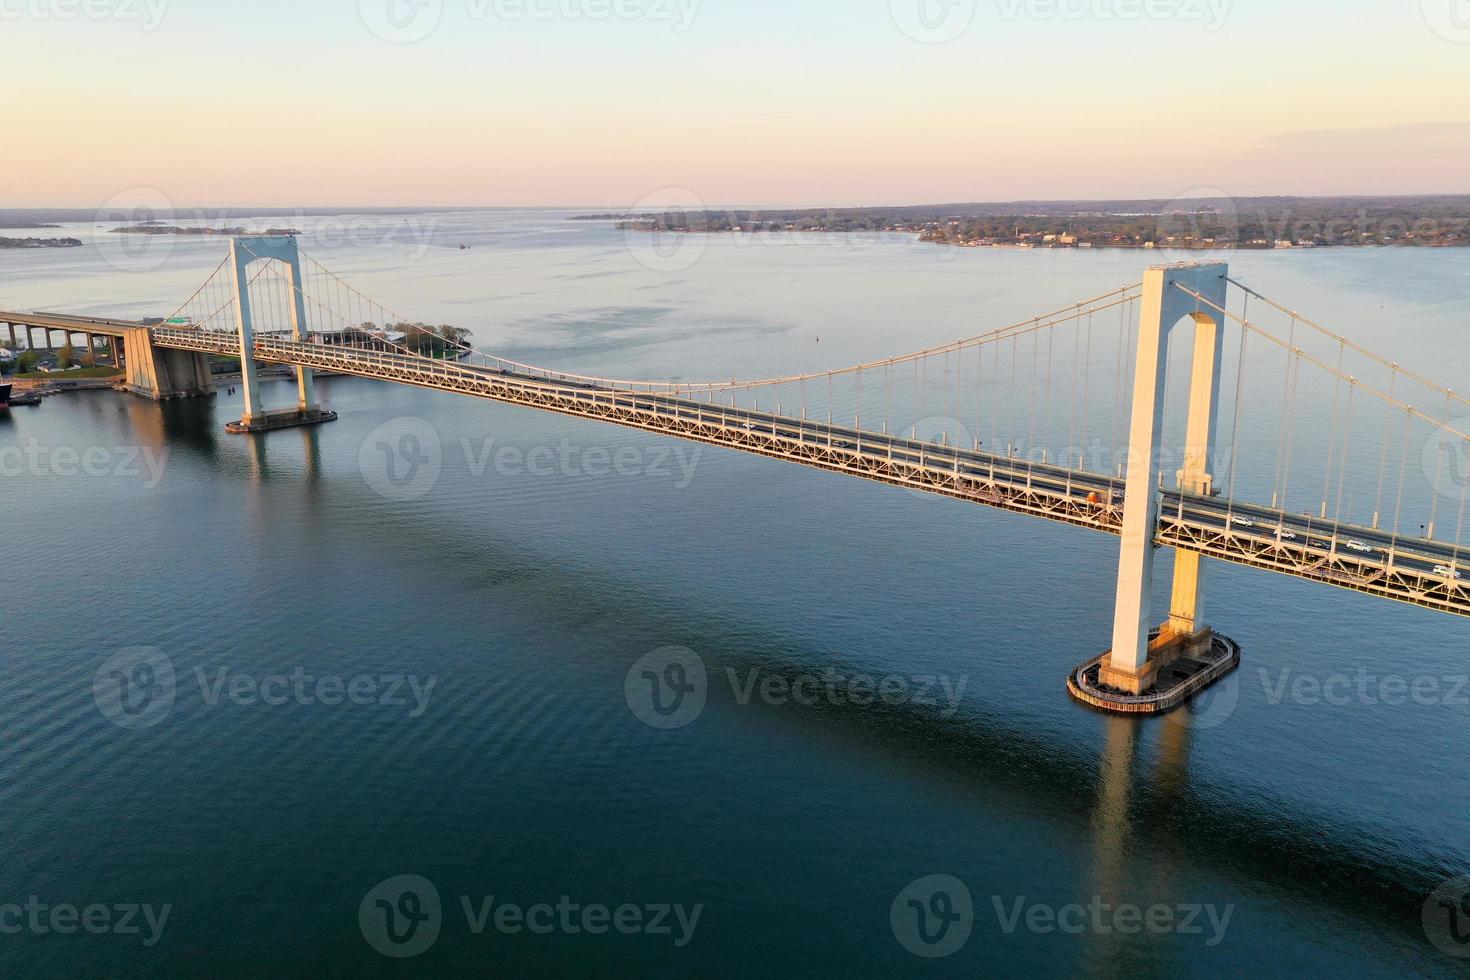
(102, 326)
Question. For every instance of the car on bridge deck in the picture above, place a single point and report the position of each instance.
(1239, 521)
(1448, 572)
(1361, 548)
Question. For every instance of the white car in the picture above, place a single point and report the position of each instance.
(1448, 572)
(1288, 536)
(1359, 547)
(1242, 522)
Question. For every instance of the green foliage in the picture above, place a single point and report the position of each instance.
(430, 340)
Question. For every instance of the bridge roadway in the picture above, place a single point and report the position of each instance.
(1361, 559)
(101, 326)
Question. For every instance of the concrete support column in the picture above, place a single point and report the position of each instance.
(1186, 608)
(11, 328)
(305, 394)
(116, 348)
(1162, 306)
(250, 381)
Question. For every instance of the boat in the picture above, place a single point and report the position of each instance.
(4, 395)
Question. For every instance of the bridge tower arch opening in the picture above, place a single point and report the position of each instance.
(1141, 651)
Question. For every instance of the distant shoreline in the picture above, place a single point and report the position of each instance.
(1025, 245)
(1197, 223)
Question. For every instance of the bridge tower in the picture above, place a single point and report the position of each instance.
(245, 252)
(1141, 652)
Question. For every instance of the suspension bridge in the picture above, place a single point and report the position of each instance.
(1312, 457)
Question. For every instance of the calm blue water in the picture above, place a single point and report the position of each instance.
(1298, 834)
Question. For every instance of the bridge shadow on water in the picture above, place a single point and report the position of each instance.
(1131, 795)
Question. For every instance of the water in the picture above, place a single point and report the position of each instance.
(525, 590)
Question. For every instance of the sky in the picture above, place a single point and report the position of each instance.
(814, 103)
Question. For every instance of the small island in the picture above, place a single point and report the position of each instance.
(154, 228)
(40, 242)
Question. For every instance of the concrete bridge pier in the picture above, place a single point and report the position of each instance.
(161, 373)
(11, 328)
(1152, 669)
